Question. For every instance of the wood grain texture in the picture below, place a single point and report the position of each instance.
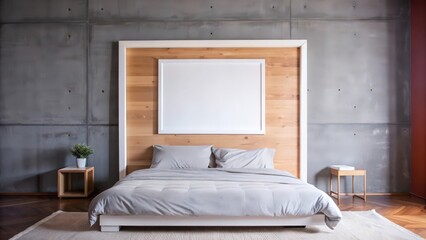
(282, 104)
(406, 211)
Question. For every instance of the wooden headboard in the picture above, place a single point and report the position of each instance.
(285, 90)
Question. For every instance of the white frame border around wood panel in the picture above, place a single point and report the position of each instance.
(302, 44)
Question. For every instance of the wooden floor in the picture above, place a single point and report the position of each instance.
(19, 212)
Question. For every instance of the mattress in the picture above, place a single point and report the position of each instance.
(214, 192)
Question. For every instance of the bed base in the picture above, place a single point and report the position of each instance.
(112, 223)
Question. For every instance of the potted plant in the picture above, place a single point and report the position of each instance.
(81, 152)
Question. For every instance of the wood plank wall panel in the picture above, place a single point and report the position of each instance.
(282, 104)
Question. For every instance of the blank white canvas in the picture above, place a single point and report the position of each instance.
(211, 96)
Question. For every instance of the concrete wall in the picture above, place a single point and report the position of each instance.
(58, 79)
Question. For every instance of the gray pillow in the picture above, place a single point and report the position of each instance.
(182, 156)
(238, 158)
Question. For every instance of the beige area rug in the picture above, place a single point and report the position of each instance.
(354, 225)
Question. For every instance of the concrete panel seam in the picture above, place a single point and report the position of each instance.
(364, 124)
(125, 21)
(291, 18)
(44, 22)
(87, 74)
(352, 19)
(58, 124)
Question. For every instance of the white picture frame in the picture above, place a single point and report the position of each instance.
(211, 96)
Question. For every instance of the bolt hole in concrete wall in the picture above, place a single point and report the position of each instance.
(48, 47)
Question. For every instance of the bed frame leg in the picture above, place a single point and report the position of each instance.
(110, 228)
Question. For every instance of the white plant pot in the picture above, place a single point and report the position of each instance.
(81, 162)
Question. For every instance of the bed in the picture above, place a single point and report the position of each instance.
(212, 197)
(244, 191)
(234, 193)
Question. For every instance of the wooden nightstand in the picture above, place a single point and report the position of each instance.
(64, 181)
(352, 173)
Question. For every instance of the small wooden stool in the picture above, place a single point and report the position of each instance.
(353, 173)
(64, 181)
